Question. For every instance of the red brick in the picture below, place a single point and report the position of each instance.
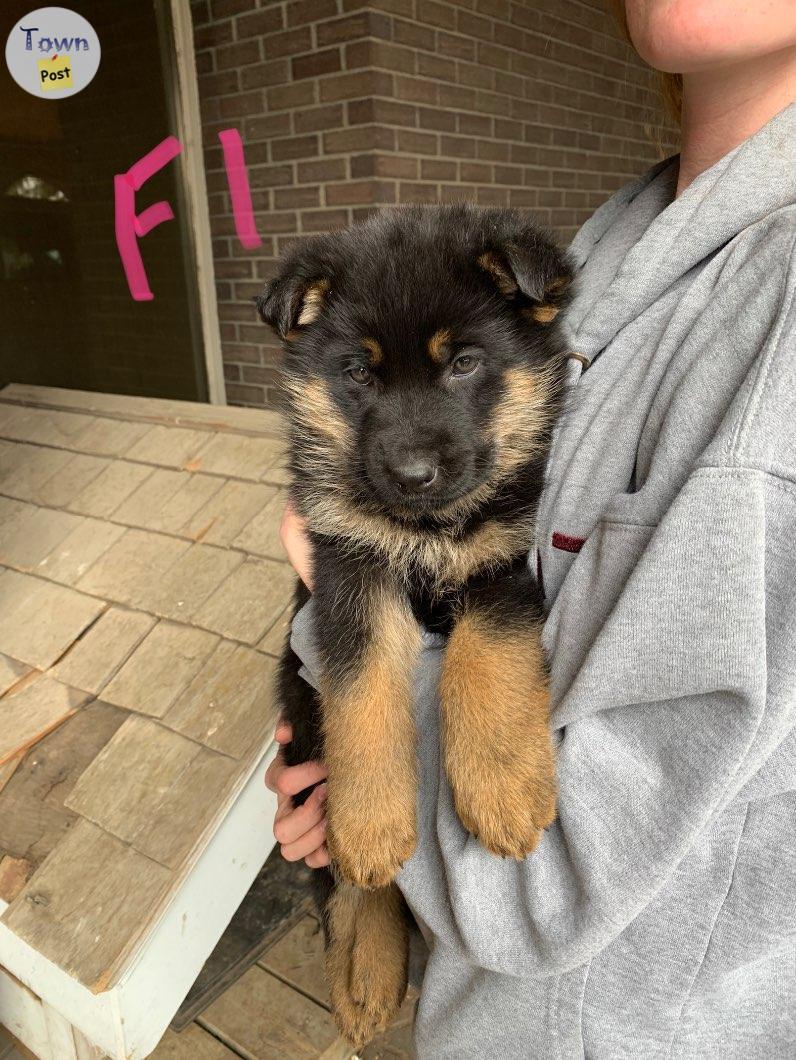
(362, 24)
(299, 198)
(359, 138)
(363, 191)
(294, 147)
(316, 63)
(352, 86)
(315, 119)
(364, 111)
(261, 75)
(234, 55)
(259, 23)
(301, 11)
(436, 14)
(324, 220)
(440, 120)
(322, 170)
(291, 42)
(424, 193)
(371, 165)
(414, 35)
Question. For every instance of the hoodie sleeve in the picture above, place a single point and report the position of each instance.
(687, 689)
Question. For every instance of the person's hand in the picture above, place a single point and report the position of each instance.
(299, 830)
(293, 534)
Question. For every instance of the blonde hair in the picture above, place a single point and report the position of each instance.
(671, 85)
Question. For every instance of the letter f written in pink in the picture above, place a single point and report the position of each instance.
(130, 226)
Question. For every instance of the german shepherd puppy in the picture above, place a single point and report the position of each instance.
(423, 369)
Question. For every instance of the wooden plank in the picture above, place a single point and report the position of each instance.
(167, 446)
(195, 575)
(230, 705)
(32, 534)
(11, 671)
(167, 500)
(238, 456)
(226, 513)
(263, 1018)
(297, 959)
(160, 668)
(129, 572)
(72, 479)
(106, 437)
(79, 550)
(274, 640)
(30, 713)
(193, 1043)
(39, 620)
(9, 768)
(154, 410)
(103, 495)
(261, 535)
(46, 427)
(14, 874)
(86, 922)
(32, 467)
(60, 1034)
(94, 659)
(172, 787)
(247, 603)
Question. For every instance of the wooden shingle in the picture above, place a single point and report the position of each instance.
(40, 704)
(247, 604)
(95, 658)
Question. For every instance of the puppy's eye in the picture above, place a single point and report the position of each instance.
(465, 364)
(359, 374)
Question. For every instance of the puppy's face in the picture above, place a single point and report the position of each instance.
(421, 355)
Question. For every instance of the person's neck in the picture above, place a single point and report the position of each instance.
(723, 107)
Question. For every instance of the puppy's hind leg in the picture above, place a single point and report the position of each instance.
(367, 956)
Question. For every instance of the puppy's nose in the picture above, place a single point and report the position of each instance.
(413, 473)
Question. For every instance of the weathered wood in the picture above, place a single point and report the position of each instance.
(33, 818)
(238, 456)
(31, 533)
(228, 512)
(230, 705)
(79, 550)
(131, 569)
(297, 959)
(115, 898)
(31, 466)
(167, 446)
(170, 793)
(193, 1043)
(97, 656)
(107, 437)
(111, 487)
(72, 479)
(14, 874)
(167, 500)
(30, 713)
(154, 410)
(39, 620)
(274, 640)
(246, 604)
(261, 535)
(160, 668)
(11, 671)
(195, 575)
(45, 426)
(265, 1018)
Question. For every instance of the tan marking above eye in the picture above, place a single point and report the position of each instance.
(545, 314)
(439, 345)
(491, 263)
(375, 351)
(312, 302)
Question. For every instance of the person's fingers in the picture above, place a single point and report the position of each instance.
(284, 733)
(296, 543)
(319, 858)
(274, 771)
(293, 779)
(291, 826)
(308, 843)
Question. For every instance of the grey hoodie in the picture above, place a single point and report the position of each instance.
(658, 915)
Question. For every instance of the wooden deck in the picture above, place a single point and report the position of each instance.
(279, 1010)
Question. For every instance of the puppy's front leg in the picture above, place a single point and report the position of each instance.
(370, 644)
(498, 749)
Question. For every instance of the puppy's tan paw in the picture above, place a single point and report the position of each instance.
(507, 813)
(367, 960)
(368, 851)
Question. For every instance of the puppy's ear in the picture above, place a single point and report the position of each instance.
(290, 302)
(530, 271)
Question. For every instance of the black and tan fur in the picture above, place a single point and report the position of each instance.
(423, 372)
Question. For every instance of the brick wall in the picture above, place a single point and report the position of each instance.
(344, 107)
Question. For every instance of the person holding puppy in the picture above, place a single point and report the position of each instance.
(657, 916)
